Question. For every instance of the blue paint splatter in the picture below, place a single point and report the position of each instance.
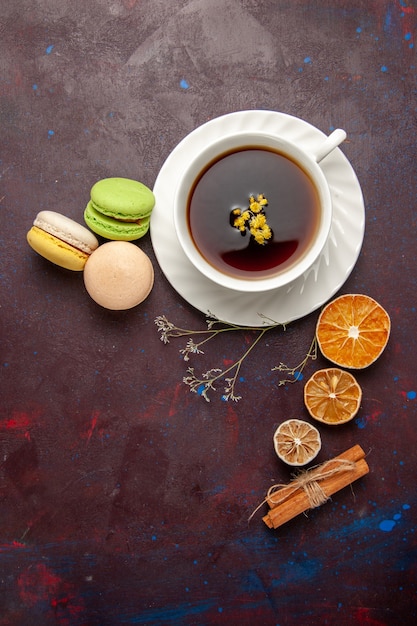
(361, 422)
(35, 87)
(359, 29)
(387, 525)
(180, 614)
(184, 84)
(49, 49)
(384, 68)
(409, 37)
(411, 395)
(51, 133)
(307, 60)
(388, 20)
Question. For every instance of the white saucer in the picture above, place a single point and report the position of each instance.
(305, 294)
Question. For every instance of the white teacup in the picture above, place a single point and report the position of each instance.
(280, 153)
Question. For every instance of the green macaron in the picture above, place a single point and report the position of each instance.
(119, 209)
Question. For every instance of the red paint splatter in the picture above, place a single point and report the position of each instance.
(389, 13)
(5, 547)
(408, 20)
(363, 617)
(61, 603)
(18, 421)
(90, 431)
(37, 584)
(373, 417)
(176, 400)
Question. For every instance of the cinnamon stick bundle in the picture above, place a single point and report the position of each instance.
(314, 487)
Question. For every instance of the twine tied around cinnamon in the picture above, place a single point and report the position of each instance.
(308, 481)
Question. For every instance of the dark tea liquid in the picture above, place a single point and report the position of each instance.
(227, 183)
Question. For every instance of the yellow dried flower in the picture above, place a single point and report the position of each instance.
(258, 221)
(240, 223)
(266, 232)
(259, 238)
(261, 235)
(253, 219)
(255, 207)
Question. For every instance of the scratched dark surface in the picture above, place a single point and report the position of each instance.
(124, 498)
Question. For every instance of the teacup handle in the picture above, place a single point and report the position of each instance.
(330, 143)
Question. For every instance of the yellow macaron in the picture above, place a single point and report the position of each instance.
(61, 240)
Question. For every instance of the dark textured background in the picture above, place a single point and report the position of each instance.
(124, 498)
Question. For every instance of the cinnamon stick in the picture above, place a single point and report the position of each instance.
(298, 500)
(354, 454)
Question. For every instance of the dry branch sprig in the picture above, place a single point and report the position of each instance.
(207, 381)
(297, 371)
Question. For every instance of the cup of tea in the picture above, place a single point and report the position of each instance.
(252, 212)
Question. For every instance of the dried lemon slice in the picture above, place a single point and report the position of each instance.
(353, 330)
(297, 442)
(332, 396)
